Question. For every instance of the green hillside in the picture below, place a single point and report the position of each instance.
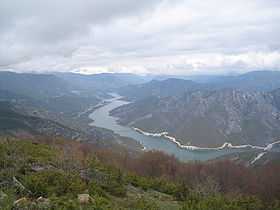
(58, 174)
(17, 124)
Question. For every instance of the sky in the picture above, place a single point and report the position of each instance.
(140, 36)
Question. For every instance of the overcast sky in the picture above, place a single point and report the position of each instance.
(140, 36)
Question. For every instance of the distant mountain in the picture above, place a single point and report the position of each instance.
(17, 121)
(102, 82)
(252, 81)
(6, 95)
(36, 86)
(203, 79)
(168, 87)
(47, 105)
(207, 111)
(45, 92)
(19, 124)
(208, 117)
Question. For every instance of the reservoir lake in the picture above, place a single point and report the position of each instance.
(101, 118)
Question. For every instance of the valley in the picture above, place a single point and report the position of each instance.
(207, 118)
(139, 105)
(142, 143)
(101, 118)
(187, 118)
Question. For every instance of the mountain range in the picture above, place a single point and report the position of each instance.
(240, 109)
(198, 110)
(208, 118)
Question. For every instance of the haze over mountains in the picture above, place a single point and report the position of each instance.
(262, 81)
(200, 110)
(52, 105)
(140, 105)
(53, 111)
(240, 109)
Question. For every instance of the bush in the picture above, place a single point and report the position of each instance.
(138, 181)
(144, 204)
(115, 188)
(96, 190)
(112, 181)
(54, 182)
(6, 199)
(161, 185)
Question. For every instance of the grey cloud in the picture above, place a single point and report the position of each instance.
(31, 28)
(153, 36)
(58, 19)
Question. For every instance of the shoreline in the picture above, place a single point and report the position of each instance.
(165, 135)
(226, 145)
(225, 148)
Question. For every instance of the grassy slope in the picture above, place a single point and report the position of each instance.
(60, 170)
(60, 181)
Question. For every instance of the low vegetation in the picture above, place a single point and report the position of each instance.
(59, 174)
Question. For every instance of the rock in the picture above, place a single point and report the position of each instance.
(37, 168)
(84, 198)
(43, 200)
(20, 201)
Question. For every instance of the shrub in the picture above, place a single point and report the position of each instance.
(144, 204)
(96, 190)
(54, 182)
(115, 188)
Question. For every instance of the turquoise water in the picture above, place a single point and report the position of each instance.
(101, 118)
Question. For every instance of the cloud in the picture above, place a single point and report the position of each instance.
(148, 36)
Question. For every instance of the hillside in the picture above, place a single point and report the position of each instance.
(168, 87)
(65, 114)
(37, 86)
(264, 81)
(252, 159)
(253, 81)
(58, 174)
(50, 158)
(17, 124)
(102, 82)
(203, 113)
(208, 118)
(171, 85)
